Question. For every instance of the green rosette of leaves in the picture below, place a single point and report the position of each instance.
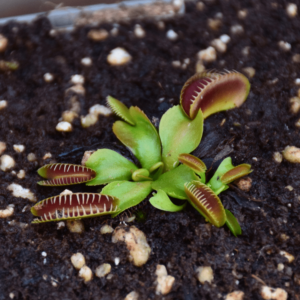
(167, 167)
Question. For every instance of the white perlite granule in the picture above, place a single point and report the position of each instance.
(86, 61)
(225, 38)
(47, 155)
(19, 148)
(88, 120)
(69, 116)
(48, 77)
(21, 174)
(118, 56)
(207, 55)
(18, 191)
(103, 270)
(219, 45)
(64, 126)
(236, 295)
(2, 147)
(75, 226)
(77, 79)
(7, 212)
(163, 280)
(6, 162)
(132, 296)
(3, 104)
(292, 154)
(105, 229)
(287, 255)
(205, 274)
(269, 293)
(237, 29)
(136, 243)
(292, 10)
(97, 35)
(277, 157)
(99, 109)
(139, 32)
(172, 35)
(78, 260)
(3, 43)
(86, 273)
(31, 157)
(284, 46)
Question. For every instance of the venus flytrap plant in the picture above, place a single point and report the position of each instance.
(166, 163)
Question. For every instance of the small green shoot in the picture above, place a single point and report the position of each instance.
(232, 223)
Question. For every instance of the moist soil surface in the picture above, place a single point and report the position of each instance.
(268, 213)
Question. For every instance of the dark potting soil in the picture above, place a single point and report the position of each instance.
(268, 214)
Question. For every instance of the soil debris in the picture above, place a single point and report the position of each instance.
(291, 154)
(163, 280)
(136, 243)
(78, 260)
(103, 270)
(205, 274)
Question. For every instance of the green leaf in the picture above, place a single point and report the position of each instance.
(232, 223)
(172, 182)
(161, 201)
(194, 163)
(109, 166)
(227, 173)
(215, 182)
(141, 175)
(129, 193)
(156, 170)
(142, 139)
(120, 109)
(179, 135)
